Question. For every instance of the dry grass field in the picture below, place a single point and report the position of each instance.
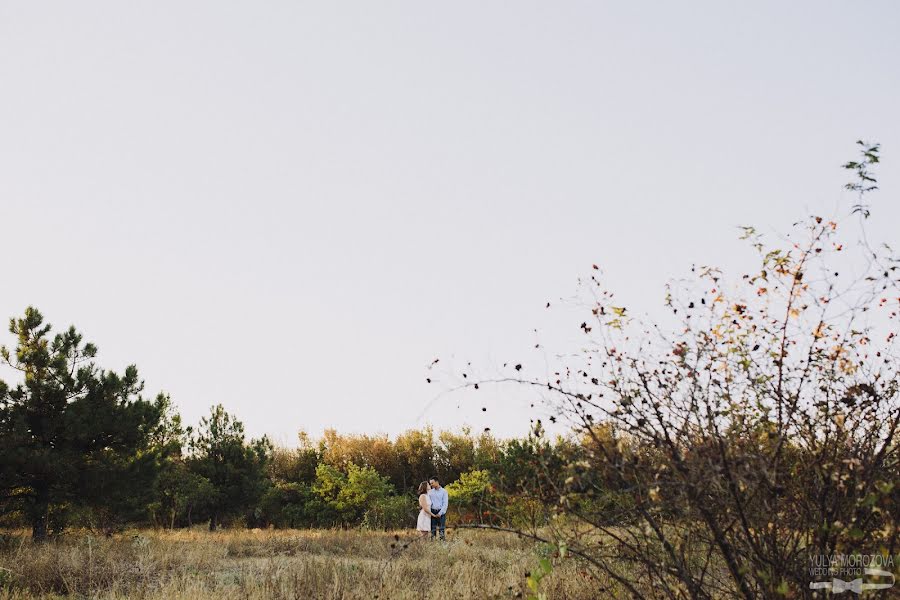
(292, 564)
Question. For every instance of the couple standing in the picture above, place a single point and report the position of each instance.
(433, 501)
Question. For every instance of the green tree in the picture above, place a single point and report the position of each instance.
(294, 465)
(71, 434)
(235, 469)
(181, 496)
(415, 455)
(351, 495)
(168, 442)
(327, 487)
(454, 454)
(363, 488)
(472, 495)
(470, 487)
(289, 504)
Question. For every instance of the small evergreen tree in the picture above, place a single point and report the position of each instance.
(234, 468)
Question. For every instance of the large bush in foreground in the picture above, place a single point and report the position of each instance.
(754, 431)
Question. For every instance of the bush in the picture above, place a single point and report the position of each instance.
(393, 512)
(527, 514)
(756, 430)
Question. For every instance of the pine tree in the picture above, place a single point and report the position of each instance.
(71, 434)
(235, 469)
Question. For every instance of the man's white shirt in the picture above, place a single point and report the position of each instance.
(439, 500)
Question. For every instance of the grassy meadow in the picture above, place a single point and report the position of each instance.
(279, 564)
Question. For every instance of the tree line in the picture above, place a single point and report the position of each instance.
(81, 445)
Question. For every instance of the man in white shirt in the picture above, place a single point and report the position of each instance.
(439, 502)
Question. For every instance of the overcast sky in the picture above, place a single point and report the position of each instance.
(291, 208)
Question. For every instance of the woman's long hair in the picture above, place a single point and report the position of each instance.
(423, 488)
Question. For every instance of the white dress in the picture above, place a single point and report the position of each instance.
(424, 522)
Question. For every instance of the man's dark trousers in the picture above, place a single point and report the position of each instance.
(436, 523)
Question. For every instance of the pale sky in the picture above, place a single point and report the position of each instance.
(291, 208)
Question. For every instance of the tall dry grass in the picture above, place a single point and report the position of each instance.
(299, 564)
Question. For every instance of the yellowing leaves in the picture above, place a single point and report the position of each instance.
(847, 366)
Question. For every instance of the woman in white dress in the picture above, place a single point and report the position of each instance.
(423, 525)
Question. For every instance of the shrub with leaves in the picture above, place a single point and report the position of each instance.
(391, 512)
(350, 494)
(470, 495)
